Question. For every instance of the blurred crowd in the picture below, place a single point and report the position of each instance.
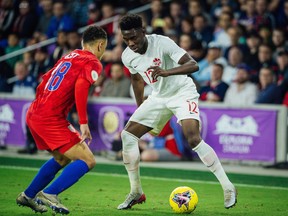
(240, 45)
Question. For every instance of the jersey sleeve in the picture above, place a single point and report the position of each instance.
(172, 49)
(81, 97)
(91, 71)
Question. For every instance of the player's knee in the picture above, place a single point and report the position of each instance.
(128, 140)
(125, 135)
(193, 140)
(90, 161)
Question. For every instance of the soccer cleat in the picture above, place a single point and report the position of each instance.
(230, 197)
(51, 201)
(132, 199)
(23, 200)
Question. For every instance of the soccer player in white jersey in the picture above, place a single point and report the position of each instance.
(163, 65)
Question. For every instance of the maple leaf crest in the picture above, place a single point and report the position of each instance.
(156, 61)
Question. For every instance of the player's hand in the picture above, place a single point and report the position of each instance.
(157, 71)
(85, 133)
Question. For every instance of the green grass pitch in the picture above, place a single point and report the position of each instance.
(100, 191)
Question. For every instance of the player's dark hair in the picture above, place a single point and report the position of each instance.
(93, 33)
(130, 21)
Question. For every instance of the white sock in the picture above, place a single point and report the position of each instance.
(210, 159)
(131, 159)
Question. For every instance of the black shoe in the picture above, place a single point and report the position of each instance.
(3, 147)
(27, 151)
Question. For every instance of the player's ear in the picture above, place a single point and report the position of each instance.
(143, 30)
(100, 44)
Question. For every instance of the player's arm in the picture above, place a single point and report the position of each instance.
(81, 97)
(138, 88)
(187, 66)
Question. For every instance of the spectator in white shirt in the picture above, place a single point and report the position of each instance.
(241, 92)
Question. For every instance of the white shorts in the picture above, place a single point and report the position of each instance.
(155, 112)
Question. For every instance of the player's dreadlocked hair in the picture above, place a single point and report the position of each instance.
(93, 33)
(130, 21)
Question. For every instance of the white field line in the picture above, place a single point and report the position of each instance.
(155, 178)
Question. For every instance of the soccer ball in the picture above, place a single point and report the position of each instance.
(183, 200)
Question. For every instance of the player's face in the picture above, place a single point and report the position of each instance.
(135, 39)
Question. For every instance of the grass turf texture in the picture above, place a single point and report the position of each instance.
(100, 191)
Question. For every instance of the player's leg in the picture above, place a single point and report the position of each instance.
(151, 114)
(131, 158)
(83, 161)
(187, 112)
(210, 159)
(44, 176)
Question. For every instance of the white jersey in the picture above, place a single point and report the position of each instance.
(162, 52)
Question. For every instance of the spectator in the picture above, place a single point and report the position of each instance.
(197, 50)
(61, 46)
(7, 16)
(45, 17)
(201, 31)
(213, 55)
(93, 14)
(26, 22)
(41, 64)
(235, 58)
(282, 62)
(25, 84)
(118, 85)
(187, 25)
(114, 53)
(13, 45)
(108, 11)
(59, 20)
(241, 92)
(185, 43)
(155, 16)
(78, 11)
(216, 88)
(269, 93)
(264, 60)
(236, 39)
(5, 74)
(247, 17)
(195, 8)
(28, 58)
(221, 6)
(253, 42)
(279, 40)
(282, 17)
(263, 16)
(73, 41)
(176, 14)
(265, 33)
(220, 34)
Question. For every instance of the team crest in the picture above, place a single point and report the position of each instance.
(94, 75)
(157, 62)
